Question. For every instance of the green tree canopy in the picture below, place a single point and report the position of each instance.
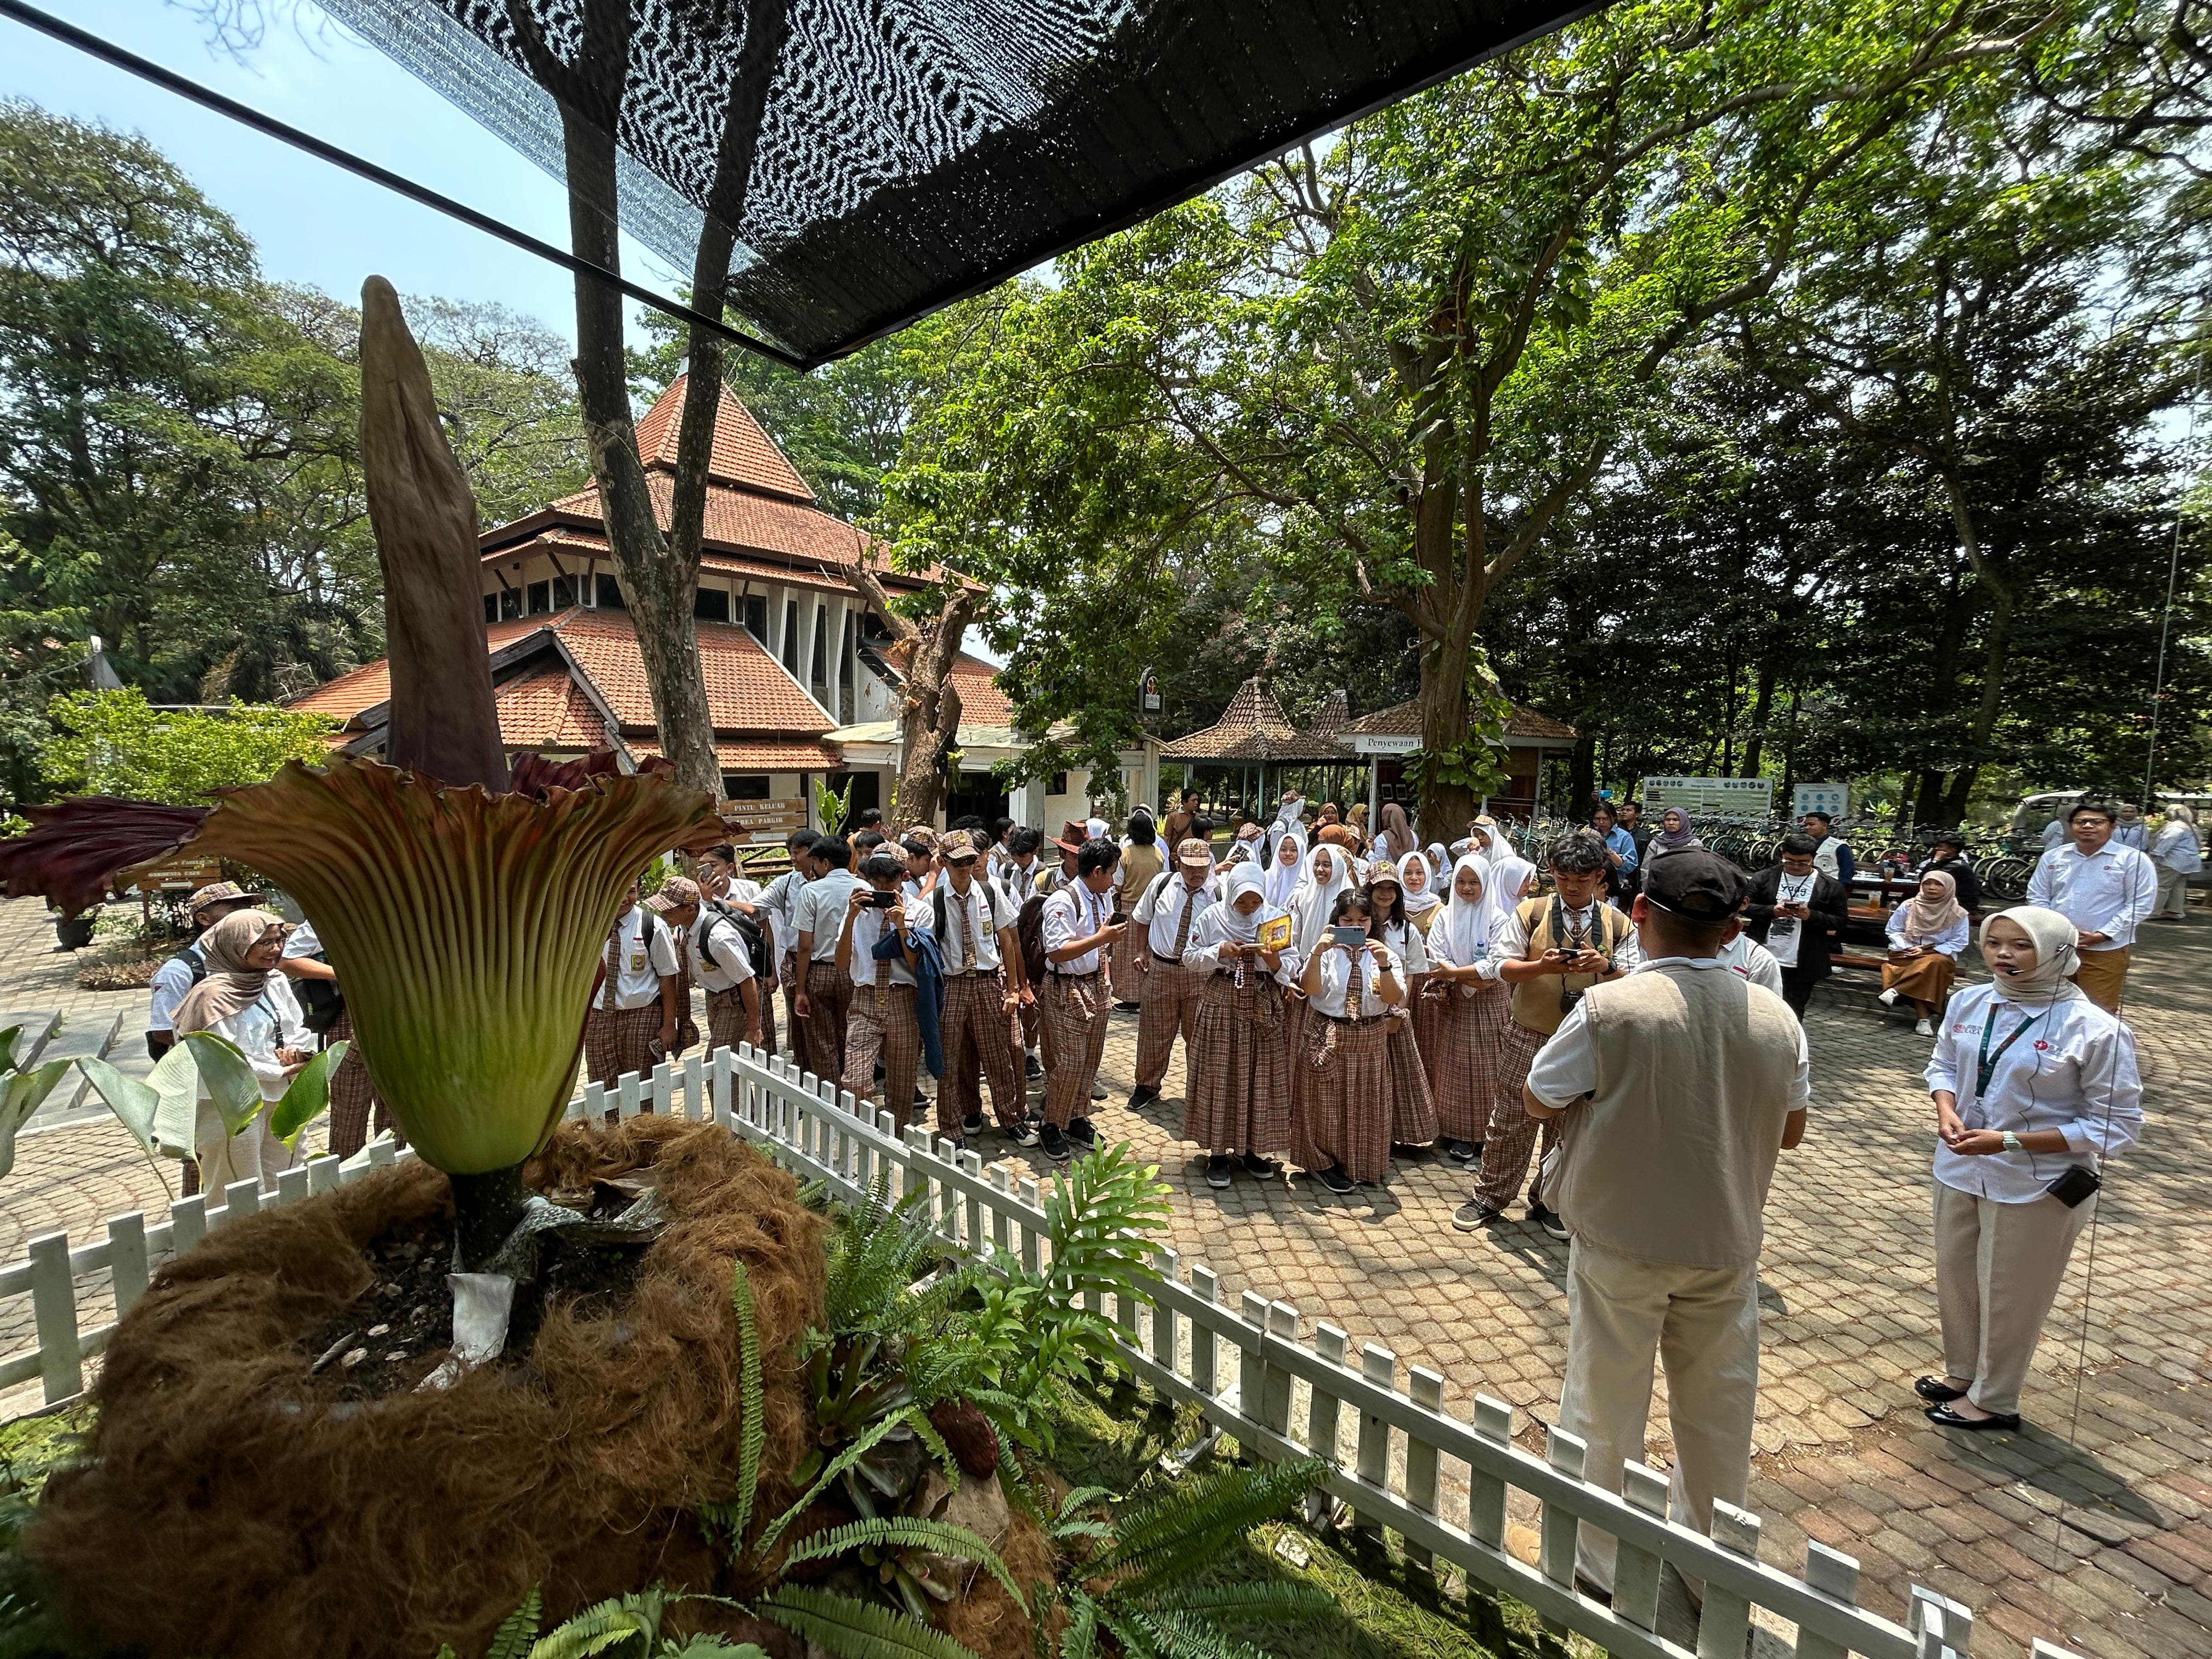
(115, 743)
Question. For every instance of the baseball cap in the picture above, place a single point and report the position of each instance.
(1695, 885)
(1194, 854)
(956, 846)
(222, 892)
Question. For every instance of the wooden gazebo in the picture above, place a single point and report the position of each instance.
(1255, 743)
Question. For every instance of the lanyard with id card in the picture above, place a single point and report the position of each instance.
(1986, 1065)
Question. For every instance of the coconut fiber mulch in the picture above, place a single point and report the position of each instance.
(237, 1502)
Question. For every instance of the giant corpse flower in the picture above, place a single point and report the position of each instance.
(464, 908)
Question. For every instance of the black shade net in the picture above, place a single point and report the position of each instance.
(911, 152)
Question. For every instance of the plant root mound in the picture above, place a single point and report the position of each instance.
(237, 1501)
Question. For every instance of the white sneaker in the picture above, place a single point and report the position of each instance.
(1924, 1028)
(1886, 997)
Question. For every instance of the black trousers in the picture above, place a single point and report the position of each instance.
(1798, 988)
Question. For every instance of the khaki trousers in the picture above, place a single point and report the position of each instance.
(2172, 894)
(1998, 1268)
(1702, 1323)
(2102, 977)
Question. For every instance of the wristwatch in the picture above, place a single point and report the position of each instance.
(2012, 1142)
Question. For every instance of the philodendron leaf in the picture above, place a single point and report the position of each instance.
(133, 1102)
(8, 1041)
(19, 1098)
(176, 1085)
(225, 1077)
(308, 1093)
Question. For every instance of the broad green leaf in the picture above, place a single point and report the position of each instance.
(308, 1093)
(134, 1103)
(22, 1095)
(225, 1078)
(8, 1039)
(176, 1083)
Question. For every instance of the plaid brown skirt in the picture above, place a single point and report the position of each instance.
(1412, 1106)
(1075, 1012)
(619, 1040)
(1339, 1099)
(353, 1096)
(1470, 1024)
(1237, 1098)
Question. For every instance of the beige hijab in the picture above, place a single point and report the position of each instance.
(2057, 953)
(230, 987)
(1926, 918)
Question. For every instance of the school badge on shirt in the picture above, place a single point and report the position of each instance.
(637, 962)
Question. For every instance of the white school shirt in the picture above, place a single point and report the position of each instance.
(1950, 941)
(171, 981)
(1510, 942)
(1160, 911)
(301, 941)
(1203, 953)
(867, 928)
(2075, 1071)
(1792, 889)
(271, 1021)
(1075, 912)
(718, 959)
(1019, 880)
(1336, 970)
(1747, 957)
(987, 908)
(1408, 944)
(782, 896)
(1565, 1067)
(2178, 849)
(2109, 892)
(820, 910)
(634, 970)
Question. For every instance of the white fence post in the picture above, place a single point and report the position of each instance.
(53, 1312)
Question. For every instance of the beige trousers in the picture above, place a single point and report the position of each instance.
(1702, 1323)
(253, 1154)
(1998, 1268)
(2172, 894)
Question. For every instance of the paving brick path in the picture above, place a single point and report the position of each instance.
(2104, 1543)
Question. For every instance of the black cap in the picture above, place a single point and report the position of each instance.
(1696, 885)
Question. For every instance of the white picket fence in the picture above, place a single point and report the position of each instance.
(1245, 1367)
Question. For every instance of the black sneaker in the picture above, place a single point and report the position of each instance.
(1335, 1179)
(1474, 1215)
(1142, 1095)
(1054, 1143)
(958, 1143)
(920, 1099)
(972, 1124)
(1549, 1220)
(1262, 1167)
(1025, 1133)
(1464, 1152)
(1098, 1091)
(1216, 1172)
(1127, 1008)
(1080, 1131)
(1031, 1069)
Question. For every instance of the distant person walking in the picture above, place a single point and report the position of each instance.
(1831, 856)
(2178, 855)
(2105, 889)
(1798, 914)
(1675, 1088)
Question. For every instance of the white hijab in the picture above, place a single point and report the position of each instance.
(1241, 879)
(1418, 903)
(1315, 899)
(1283, 881)
(2057, 953)
(1467, 923)
(1501, 889)
(1439, 861)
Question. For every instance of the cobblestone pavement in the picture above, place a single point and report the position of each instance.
(2094, 1526)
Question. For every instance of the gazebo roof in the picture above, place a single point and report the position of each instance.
(1404, 720)
(874, 160)
(1254, 728)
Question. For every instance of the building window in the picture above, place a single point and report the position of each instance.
(610, 597)
(756, 617)
(1058, 786)
(510, 604)
(491, 607)
(790, 638)
(711, 604)
(564, 592)
(821, 644)
(541, 597)
(744, 786)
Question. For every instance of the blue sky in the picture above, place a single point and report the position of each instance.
(315, 223)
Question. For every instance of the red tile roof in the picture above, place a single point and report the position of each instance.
(737, 520)
(982, 701)
(767, 755)
(547, 709)
(371, 684)
(744, 455)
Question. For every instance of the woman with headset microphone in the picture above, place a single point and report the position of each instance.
(2034, 1086)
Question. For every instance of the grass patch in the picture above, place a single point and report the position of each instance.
(1388, 1607)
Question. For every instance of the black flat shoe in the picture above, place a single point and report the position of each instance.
(1937, 1392)
(1263, 1167)
(1217, 1173)
(1335, 1179)
(1944, 1417)
(1464, 1152)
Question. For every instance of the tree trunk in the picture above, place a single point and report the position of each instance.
(657, 588)
(1445, 807)
(929, 704)
(1581, 777)
(1996, 649)
(1755, 745)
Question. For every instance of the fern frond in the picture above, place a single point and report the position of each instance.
(1134, 1635)
(926, 1432)
(602, 1628)
(909, 1532)
(709, 1646)
(516, 1631)
(1267, 1600)
(836, 1466)
(1177, 1532)
(1080, 1640)
(1179, 1634)
(752, 1432)
(1083, 1498)
(856, 1630)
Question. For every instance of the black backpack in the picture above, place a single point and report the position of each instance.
(322, 1003)
(750, 933)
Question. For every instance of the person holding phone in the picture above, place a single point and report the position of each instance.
(2034, 1087)
(1077, 1001)
(1413, 1101)
(1547, 952)
(1468, 1011)
(1237, 1104)
(244, 999)
(881, 1024)
(1798, 914)
(1341, 1096)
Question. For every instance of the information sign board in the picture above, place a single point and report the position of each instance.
(1833, 799)
(1708, 798)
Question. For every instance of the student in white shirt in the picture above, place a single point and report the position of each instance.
(354, 1101)
(881, 1024)
(777, 900)
(634, 1020)
(1237, 1103)
(1166, 913)
(242, 998)
(1413, 1103)
(824, 1002)
(973, 920)
(2107, 890)
(723, 881)
(715, 953)
(2178, 855)
(1748, 958)
(1926, 933)
(1077, 1000)
(1470, 1020)
(2032, 1083)
(1340, 1107)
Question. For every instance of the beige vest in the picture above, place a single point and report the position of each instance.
(1536, 1001)
(1669, 1159)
